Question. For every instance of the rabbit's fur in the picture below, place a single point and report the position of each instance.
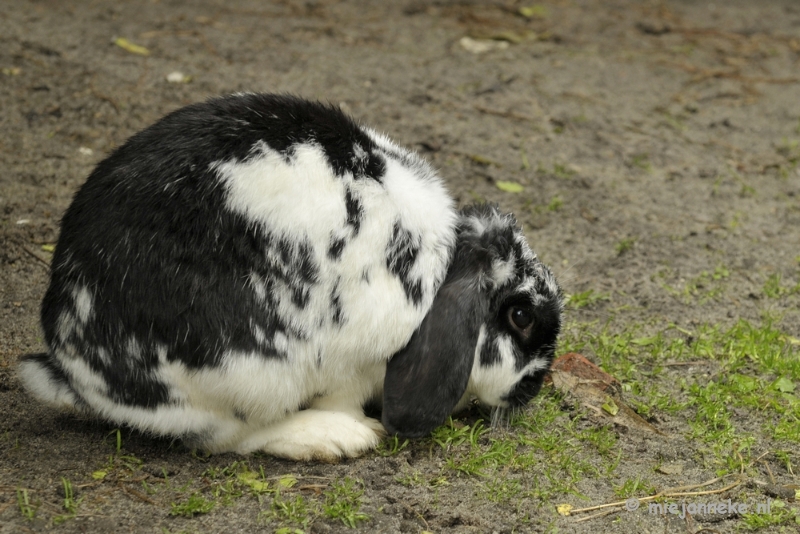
(239, 274)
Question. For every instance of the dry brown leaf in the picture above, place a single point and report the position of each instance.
(575, 376)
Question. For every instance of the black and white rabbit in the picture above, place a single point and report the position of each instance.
(240, 274)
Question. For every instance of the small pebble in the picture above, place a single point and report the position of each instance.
(178, 77)
(481, 46)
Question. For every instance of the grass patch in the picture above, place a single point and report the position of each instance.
(586, 299)
(476, 456)
(343, 502)
(290, 510)
(26, 507)
(751, 368)
(624, 245)
(501, 490)
(641, 161)
(779, 515)
(555, 204)
(705, 287)
(633, 487)
(542, 454)
(391, 446)
(559, 170)
(196, 504)
(775, 289)
(735, 386)
(70, 504)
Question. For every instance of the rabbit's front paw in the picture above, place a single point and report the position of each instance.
(317, 435)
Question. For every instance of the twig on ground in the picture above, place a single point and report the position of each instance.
(315, 488)
(504, 114)
(669, 492)
(89, 484)
(101, 96)
(36, 256)
(138, 494)
(594, 516)
(769, 471)
(733, 74)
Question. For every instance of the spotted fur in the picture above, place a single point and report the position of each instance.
(239, 274)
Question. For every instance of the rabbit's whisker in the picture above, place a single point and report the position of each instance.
(501, 418)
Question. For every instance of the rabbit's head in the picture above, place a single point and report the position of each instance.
(490, 333)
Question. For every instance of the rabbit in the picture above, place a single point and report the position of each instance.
(248, 273)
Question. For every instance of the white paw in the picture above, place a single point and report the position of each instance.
(317, 435)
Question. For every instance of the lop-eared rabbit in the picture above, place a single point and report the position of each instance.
(248, 273)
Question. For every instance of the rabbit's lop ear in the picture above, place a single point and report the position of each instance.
(426, 379)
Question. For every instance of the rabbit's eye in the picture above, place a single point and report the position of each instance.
(520, 317)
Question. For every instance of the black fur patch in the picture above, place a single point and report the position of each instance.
(337, 314)
(133, 389)
(300, 296)
(401, 254)
(282, 122)
(526, 389)
(490, 355)
(375, 168)
(355, 211)
(336, 247)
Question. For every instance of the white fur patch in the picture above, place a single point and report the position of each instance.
(37, 379)
(300, 199)
(490, 384)
(316, 435)
(83, 303)
(133, 350)
(103, 356)
(65, 325)
(258, 333)
(537, 364)
(243, 406)
(502, 271)
(83, 378)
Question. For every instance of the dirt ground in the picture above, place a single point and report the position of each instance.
(655, 142)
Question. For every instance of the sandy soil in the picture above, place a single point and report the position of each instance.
(655, 141)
